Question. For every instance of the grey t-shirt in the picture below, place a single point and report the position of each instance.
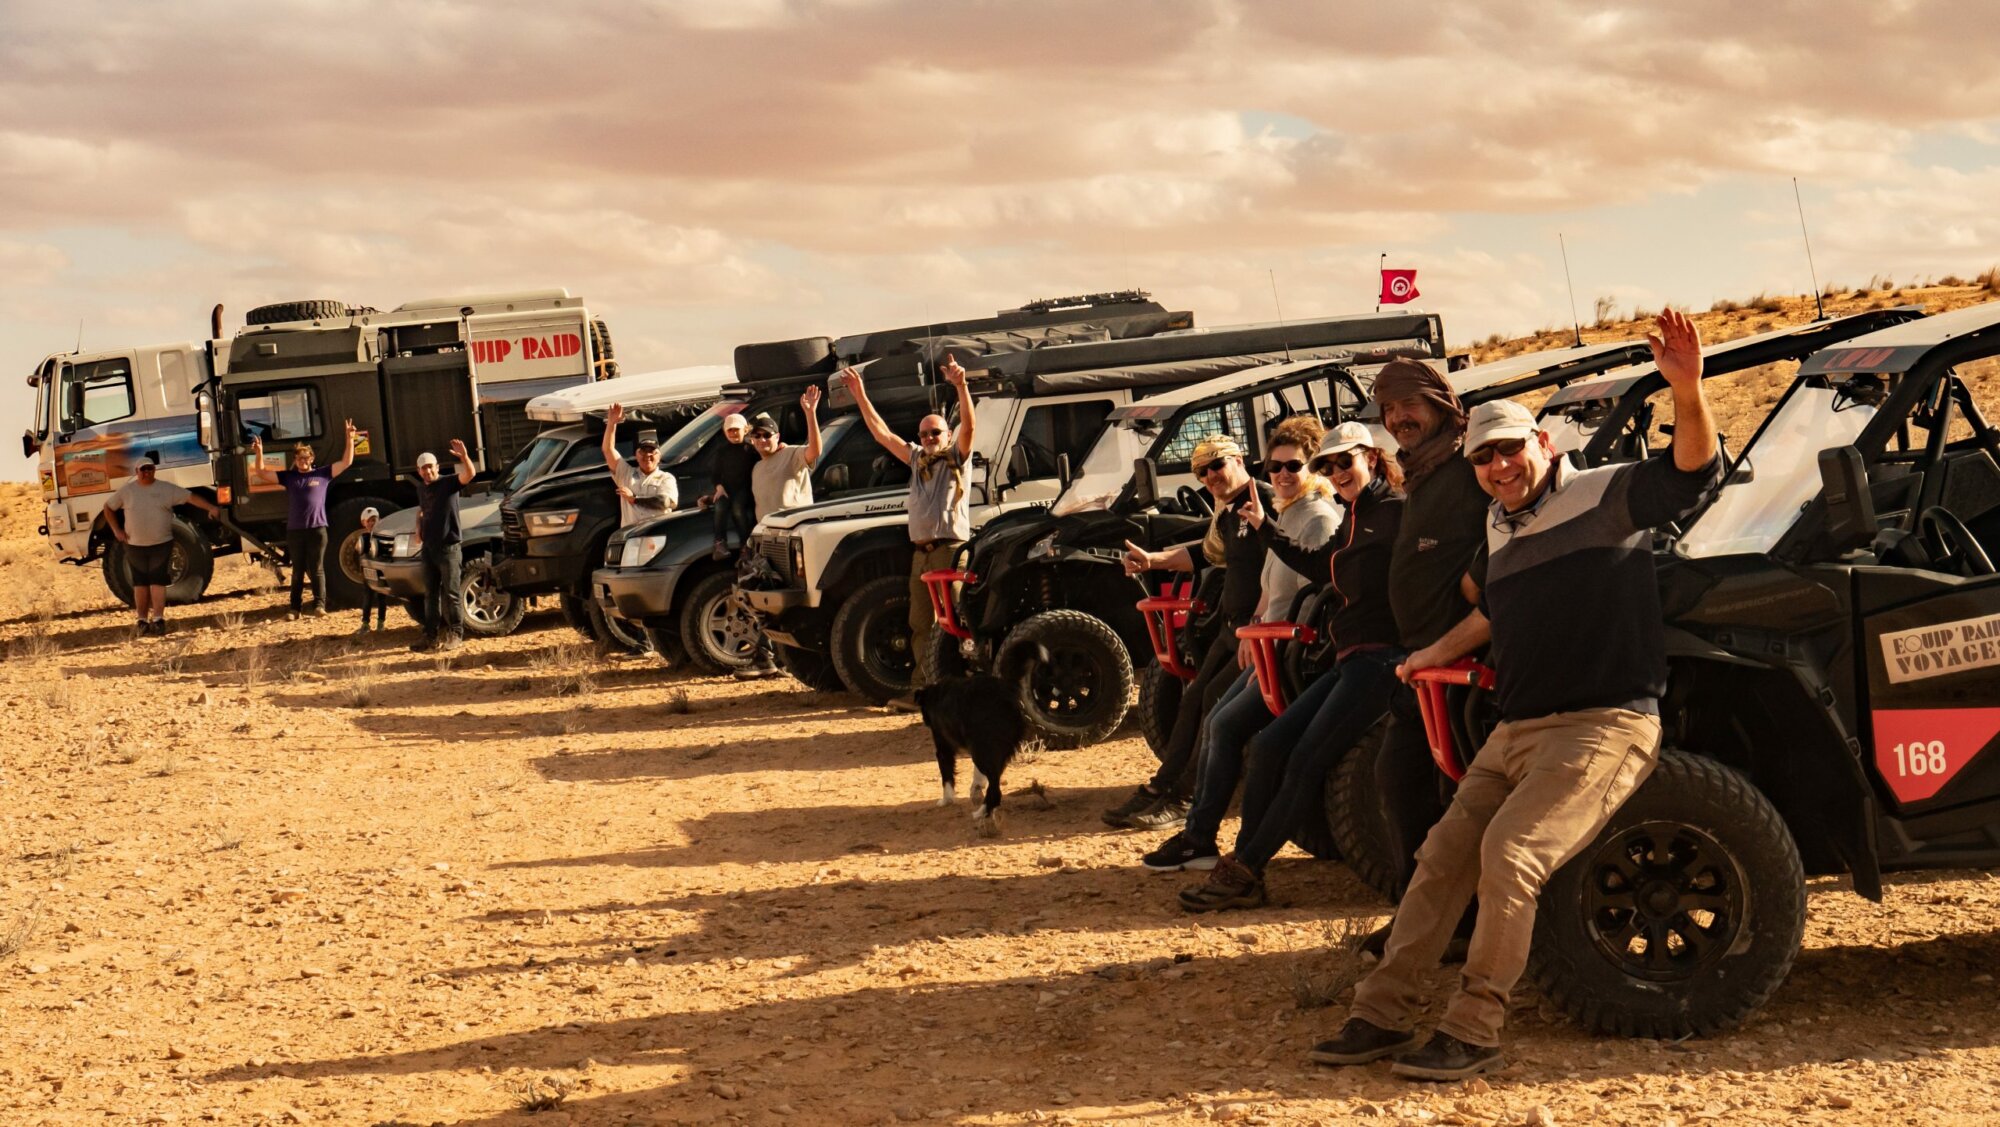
(782, 481)
(653, 495)
(148, 510)
(937, 497)
(1310, 522)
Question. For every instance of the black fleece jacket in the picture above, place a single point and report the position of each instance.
(1357, 611)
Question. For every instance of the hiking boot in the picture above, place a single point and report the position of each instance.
(1445, 1057)
(1178, 853)
(1142, 799)
(1165, 814)
(1231, 885)
(1359, 1042)
(757, 671)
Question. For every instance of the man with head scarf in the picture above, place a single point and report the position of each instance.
(939, 520)
(1162, 801)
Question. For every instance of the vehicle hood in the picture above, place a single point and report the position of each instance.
(473, 513)
(872, 504)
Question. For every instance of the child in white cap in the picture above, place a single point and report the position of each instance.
(371, 599)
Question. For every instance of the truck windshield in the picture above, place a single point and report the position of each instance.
(1778, 475)
(536, 460)
(688, 441)
(1105, 468)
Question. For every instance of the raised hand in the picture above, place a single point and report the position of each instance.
(810, 400)
(257, 447)
(851, 380)
(615, 415)
(953, 373)
(1676, 346)
(458, 450)
(352, 430)
(1136, 559)
(1252, 510)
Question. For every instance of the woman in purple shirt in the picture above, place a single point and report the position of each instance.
(305, 522)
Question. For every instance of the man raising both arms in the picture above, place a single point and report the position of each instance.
(1567, 584)
(939, 522)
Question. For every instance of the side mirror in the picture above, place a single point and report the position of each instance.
(836, 478)
(29, 447)
(1850, 508)
(1017, 463)
(1063, 474)
(1145, 483)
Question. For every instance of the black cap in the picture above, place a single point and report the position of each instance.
(649, 444)
(764, 421)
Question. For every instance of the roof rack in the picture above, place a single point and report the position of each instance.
(1080, 301)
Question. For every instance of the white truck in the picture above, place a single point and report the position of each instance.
(411, 378)
(838, 598)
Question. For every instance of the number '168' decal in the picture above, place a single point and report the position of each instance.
(1919, 750)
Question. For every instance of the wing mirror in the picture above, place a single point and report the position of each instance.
(1063, 474)
(29, 447)
(836, 478)
(1850, 508)
(1018, 468)
(1145, 483)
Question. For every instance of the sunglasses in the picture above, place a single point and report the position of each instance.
(1506, 448)
(762, 434)
(1211, 467)
(1291, 467)
(930, 433)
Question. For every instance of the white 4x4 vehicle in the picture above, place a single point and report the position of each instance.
(836, 595)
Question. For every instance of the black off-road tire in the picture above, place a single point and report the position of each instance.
(600, 344)
(1356, 819)
(1696, 866)
(810, 668)
(486, 609)
(613, 634)
(666, 641)
(192, 563)
(719, 636)
(576, 612)
(783, 359)
(870, 639)
(1080, 696)
(284, 311)
(1159, 702)
(942, 658)
(345, 586)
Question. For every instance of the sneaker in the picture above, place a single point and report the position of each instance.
(159, 628)
(142, 629)
(1178, 853)
(292, 615)
(1165, 814)
(319, 610)
(1359, 1042)
(450, 642)
(1142, 799)
(1231, 885)
(758, 671)
(364, 627)
(1445, 1057)
(719, 552)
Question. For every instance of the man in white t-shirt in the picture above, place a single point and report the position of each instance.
(781, 479)
(646, 492)
(141, 516)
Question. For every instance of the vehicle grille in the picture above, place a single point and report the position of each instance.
(512, 531)
(777, 551)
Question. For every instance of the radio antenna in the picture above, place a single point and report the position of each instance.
(1284, 331)
(79, 334)
(1819, 299)
(1576, 323)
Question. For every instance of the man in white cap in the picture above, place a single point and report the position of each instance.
(141, 516)
(437, 534)
(1566, 581)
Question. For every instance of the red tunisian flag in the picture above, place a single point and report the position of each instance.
(1398, 286)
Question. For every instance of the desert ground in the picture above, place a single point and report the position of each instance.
(267, 872)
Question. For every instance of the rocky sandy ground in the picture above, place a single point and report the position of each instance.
(261, 871)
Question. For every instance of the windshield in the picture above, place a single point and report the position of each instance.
(1778, 475)
(536, 460)
(1105, 468)
(1569, 433)
(689, 440)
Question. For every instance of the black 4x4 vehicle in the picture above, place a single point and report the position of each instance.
(1834, 639)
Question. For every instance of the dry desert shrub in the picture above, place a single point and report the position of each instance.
(569, 721)
(168, 766)
(570, 669)
(229, 621)
(541, 1093)
(362, 681)
(1318, 979)
(19, 933)
(1603, 311)
(1990, 281)
(678, 702)
(1725, 305)
(252, 662)
(58, 693)
(174, 660)
(1951, 280)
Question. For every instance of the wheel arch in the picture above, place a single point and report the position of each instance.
(868, 554)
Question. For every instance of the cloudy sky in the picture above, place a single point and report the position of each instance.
(708, 172)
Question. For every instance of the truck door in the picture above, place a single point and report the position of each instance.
(1932, 655)
(428, 395)
(282, 412)
(97, 423)
(1048, 430)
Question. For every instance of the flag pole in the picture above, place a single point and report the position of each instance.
(1380, 266)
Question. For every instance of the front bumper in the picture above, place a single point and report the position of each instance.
(538, 575)
(401, 578)
(635, 594)
(777, 600)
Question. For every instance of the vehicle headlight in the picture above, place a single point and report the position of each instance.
(798, 557)
(405, 545)
(1043, 548)
(640, 550)
(551, 523)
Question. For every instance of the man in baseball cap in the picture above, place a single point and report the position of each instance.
(141, 517)
(437, 534)
(1566, 580)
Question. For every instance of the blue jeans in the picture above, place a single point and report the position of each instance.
(1291, 760)
(1239, 714)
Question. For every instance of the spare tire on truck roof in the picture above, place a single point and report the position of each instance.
(784, 359)
(285, 311)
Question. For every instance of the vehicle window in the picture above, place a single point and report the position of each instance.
(1777, 476)
(97, 392)
(531, 463)
(844, 442)
(280, 413)
(1229, 418)
(1061, 428)
(689, 440)
(587, 454)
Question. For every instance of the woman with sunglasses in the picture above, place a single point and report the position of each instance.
(1305, 511)
(1289, 761)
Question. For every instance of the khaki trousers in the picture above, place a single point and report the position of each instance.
(1535, 795)
(922, 622)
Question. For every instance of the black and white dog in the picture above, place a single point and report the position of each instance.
(980, 716)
